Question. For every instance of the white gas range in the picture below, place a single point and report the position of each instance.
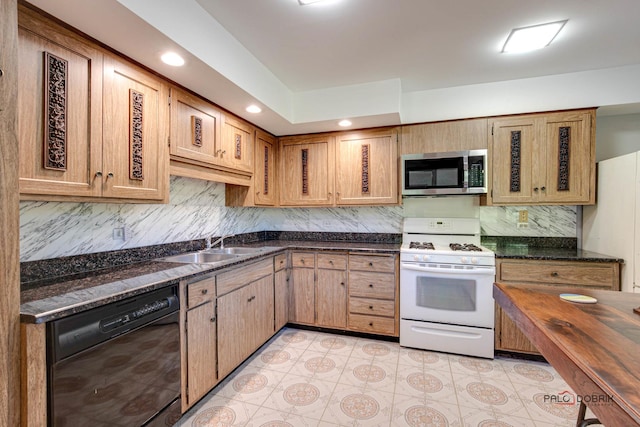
(446, 287)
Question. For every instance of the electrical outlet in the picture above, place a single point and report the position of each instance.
(523, 216)
(118, 234)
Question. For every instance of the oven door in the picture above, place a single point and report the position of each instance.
(447, 294)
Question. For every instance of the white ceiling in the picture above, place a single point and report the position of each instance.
(377, 62)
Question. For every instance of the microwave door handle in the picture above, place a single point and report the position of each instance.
(477, 270)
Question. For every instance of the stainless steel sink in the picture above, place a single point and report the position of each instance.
(200, 257)
(237, 250)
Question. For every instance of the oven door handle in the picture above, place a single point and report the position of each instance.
(489, 271)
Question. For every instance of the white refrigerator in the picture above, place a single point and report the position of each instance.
(612, 226)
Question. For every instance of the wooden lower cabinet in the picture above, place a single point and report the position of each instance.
(245, 322)
(587, 275)
(281, 291)
(199, 365)
(353, 291)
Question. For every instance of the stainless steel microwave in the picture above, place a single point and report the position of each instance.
(455, 172)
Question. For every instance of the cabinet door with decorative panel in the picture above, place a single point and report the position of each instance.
(265, 169)
(195, 128)
(236, 151)
(569, 158)
(513, 159)
(60, 109)
(135, 133)
(306, 171)
(367, 167)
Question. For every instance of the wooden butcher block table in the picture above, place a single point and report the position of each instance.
(594, 347)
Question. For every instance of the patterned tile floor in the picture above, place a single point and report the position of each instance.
(305, 378)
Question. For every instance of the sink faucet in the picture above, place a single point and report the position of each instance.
(207, 242)
(221, 240)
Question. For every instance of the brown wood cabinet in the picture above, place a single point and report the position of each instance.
(454, 135)
(245, 320)
(236, 150)
(373, 294)
(307, 170)
(265, 185)
(281, 291)
(367, 167)
(198, 340)
(543, 159)
(593, 275)
(353, 291)
(91, 125)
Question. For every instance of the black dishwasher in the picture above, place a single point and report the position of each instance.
(117, 364)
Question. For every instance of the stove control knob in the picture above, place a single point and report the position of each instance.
(416, 257)
(474, 260)
(425, 257)
(464, 260)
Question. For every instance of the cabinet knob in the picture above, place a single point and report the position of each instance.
(331, 262)
(342, 283)
(555, 274)
(543, 188)
(302, 260)
(370, 264)
(371, 285)
(110, 175)
(370, 307)
(204, 291)
(98, 174)
(213, 319)
(535, 189)
(370, 323)
(1, 72)
(223, 151)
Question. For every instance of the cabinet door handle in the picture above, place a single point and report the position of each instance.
(204, 291)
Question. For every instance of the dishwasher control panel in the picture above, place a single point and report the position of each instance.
(119, 320)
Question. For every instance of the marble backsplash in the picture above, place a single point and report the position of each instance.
(197, 209)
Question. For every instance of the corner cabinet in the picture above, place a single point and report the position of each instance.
(92, 127)
(367, 168)
(543, 159)
(521, 272)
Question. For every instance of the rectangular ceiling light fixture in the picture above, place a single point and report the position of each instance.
(525, 39)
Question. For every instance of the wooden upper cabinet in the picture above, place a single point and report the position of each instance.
(543, 159)
(454, 135)
(92, 127)
(236, 149)
(306, 170)
(264, 177)
(195, 129)
(135, 133)
(367, 168)
(60, 110)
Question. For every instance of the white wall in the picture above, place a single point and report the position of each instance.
(617, 135)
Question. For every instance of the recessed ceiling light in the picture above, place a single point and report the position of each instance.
(344, 123)
(525, 39)
(173, 59)
(304, 2)
(253, 109)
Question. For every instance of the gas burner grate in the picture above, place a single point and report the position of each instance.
(464, 247)
(421, 245)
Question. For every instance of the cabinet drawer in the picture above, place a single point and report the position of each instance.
(280, 262)
(240, 276)
(332, 261)
(376, 307)
(373, 324)
(372, 285)
(202, 291)
(303, 259)
(558, 273)
(381, 263)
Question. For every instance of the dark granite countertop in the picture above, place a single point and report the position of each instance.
(48, 299)
(552, 254)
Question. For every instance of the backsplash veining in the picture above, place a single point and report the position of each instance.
(197, 209)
